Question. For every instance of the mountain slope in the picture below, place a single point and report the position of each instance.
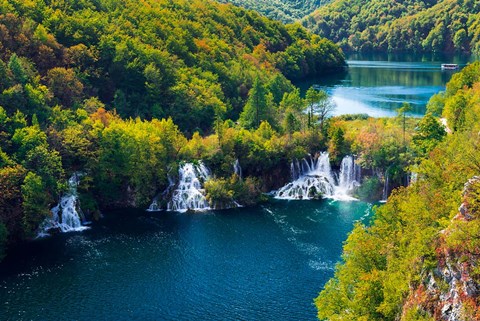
(184, 59)
(286, 11)
(418, 260)
(412, 25)
(84, 85)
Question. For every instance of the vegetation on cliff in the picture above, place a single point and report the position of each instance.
(395, 26)
(385, 263)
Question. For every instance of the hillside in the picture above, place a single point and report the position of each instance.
(188, 60)
(418, 260)
(116, 89)
(286, 11)
(393, 26)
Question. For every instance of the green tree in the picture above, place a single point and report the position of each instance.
(402, 114)
(19, 72)
(429, 133)
(319, 106)
(35, 202)
(454, 110)
(258, 107)
(337, 147)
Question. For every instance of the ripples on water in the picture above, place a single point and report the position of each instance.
(265, 263)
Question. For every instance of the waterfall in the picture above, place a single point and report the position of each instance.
(237, 169)
(385, 187)
(154, 207)
(295, 171)
(313, 178)
(349, 176)
(65, 216)
(189, 194)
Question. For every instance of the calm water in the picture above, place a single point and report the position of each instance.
(265, 263)
(379, 84)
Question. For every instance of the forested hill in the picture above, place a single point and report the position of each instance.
(418, 260)
(411, 25)
(113, 88)
(191, 60)
(286, 11)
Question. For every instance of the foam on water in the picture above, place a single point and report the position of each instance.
(313, 178)
(66, 216)
(189, 194)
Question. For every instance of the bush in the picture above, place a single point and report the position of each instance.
(224, 193)
(371, 189)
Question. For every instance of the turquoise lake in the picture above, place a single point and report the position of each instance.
(264, 263)
(378, 85)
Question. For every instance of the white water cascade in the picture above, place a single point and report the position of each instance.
(154, 206)
(385, 187)
(65, 216)
(189, 193)
(349, 177)
(313, 178)
(237, 169)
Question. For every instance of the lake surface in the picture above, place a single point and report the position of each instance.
(378, 85)
(264, 263)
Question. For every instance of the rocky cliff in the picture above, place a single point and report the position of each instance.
(452, 290)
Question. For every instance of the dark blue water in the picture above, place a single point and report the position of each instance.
(378, 85)
(264, 263)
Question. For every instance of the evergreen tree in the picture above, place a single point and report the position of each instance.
(259, 106)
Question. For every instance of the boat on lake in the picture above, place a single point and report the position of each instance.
(449, 66)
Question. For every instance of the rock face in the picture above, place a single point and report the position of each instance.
(451, 292)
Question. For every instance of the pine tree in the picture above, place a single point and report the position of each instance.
(257, 107)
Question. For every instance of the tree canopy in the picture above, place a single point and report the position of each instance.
(396, 26)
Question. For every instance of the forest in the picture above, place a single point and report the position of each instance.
(287, 11)
(398, 267)
(436, 26)
(123, 93)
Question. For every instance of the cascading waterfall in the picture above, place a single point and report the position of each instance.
(154, 207)
(295, 170)
(385, 187)
(349, 176)
(66, 216)
(313, 178)
(237, 169)
(189, 194)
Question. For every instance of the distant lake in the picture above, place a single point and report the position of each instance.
(378, 85)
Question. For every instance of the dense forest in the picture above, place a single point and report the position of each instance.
(122, 93)
(287, 11)
(418, 260)
(394, 26)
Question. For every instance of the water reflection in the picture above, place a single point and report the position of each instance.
(379, 84)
